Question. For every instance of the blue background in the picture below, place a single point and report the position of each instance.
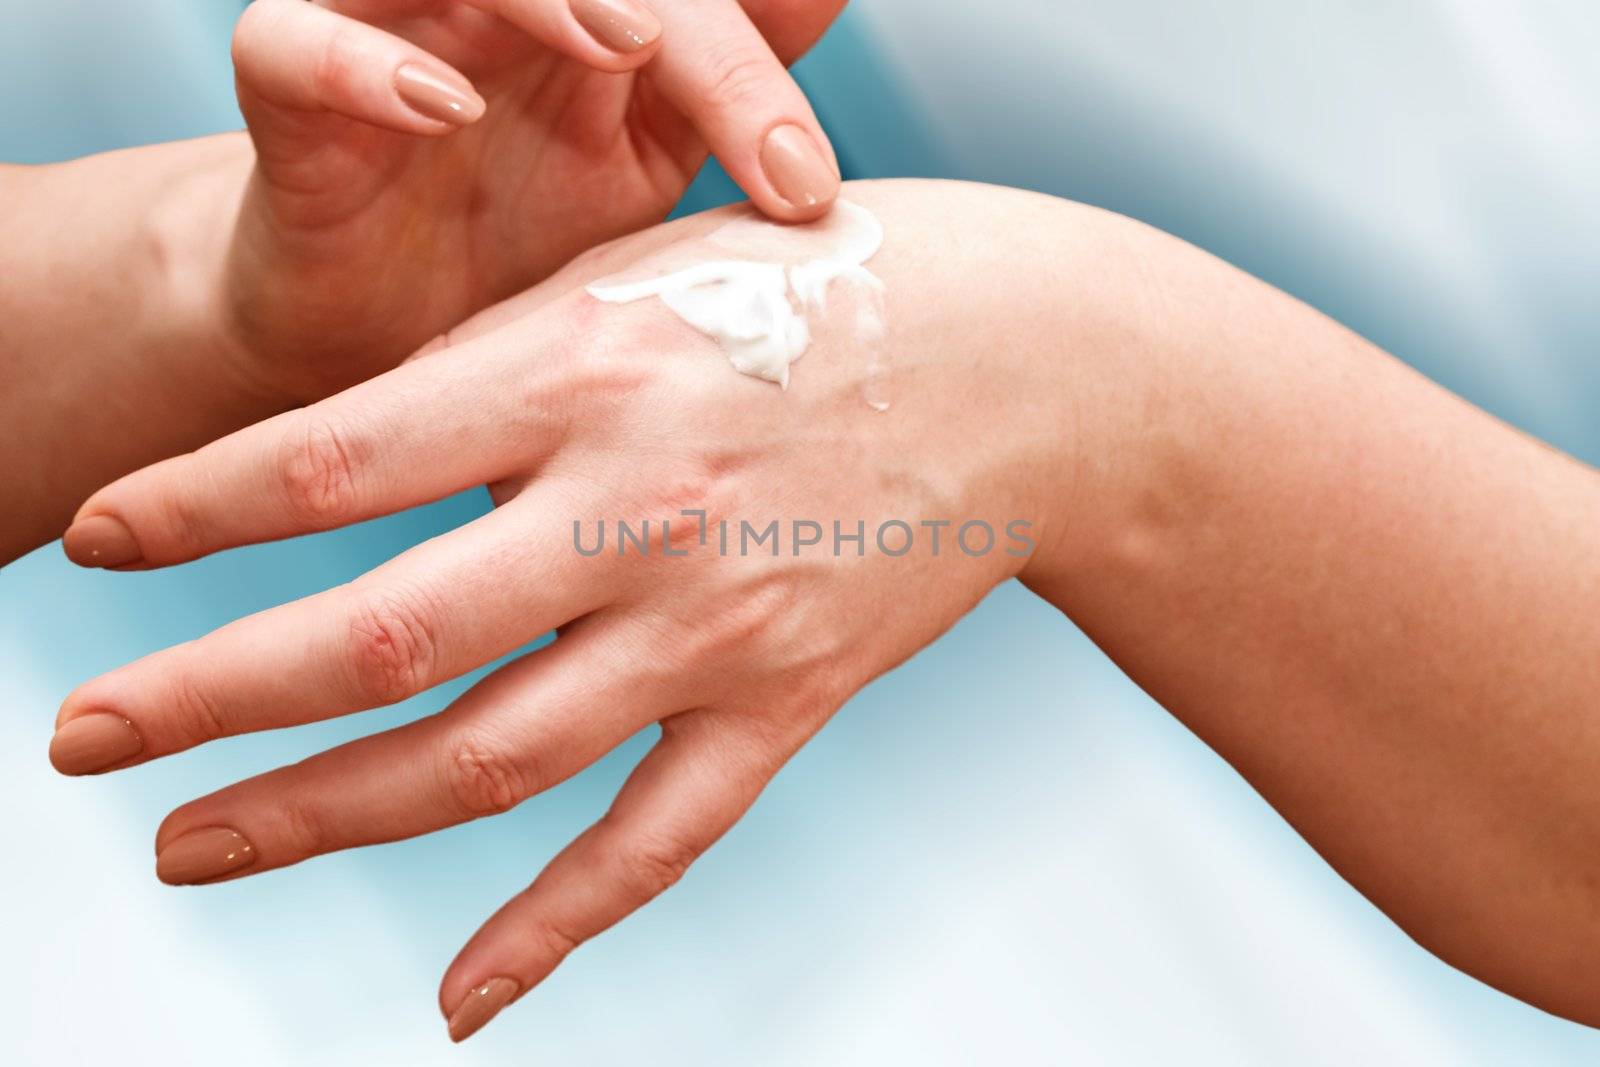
(1002, 853)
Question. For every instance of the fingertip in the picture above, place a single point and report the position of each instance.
(94, 743)
(101, 541)
(801, 175)
(610, 36)
(446, 99)
(627, 31)
(204, 855)
(168, 830)
(310, 58)
(479, 1006)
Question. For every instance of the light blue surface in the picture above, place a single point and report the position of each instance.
(1003, 853)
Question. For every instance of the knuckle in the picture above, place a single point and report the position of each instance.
(738, 77)
(703, 482)
(786, 711)
(481, 779)
(595, 367)
(393, 647)
(653, 864)
(305, 828)
(316, 472)
(555, 941)
(682, 506)
(821, 686)
(182, 522)
(612, 359)
(199, 716)
(339, 57)
(751, 623)
(251, 27)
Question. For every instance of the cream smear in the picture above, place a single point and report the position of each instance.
(759, 284)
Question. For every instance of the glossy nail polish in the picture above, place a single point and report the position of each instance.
(796, 167)
(481, 1004)
(623, 26)
(101, 541)
(201, 855)
(434, 96)
(92, 743)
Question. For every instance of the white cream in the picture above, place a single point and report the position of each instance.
(757, 296)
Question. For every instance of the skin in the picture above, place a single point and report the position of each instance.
(257, 273)
(1374, 600)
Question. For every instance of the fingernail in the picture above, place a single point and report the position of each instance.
(91, 743)
(797, 169)
(620, 25)
(436, 97)
(481, 1005)
(101, 541)
(201, 855)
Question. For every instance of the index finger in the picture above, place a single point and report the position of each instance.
(416, 434)
(717, 69)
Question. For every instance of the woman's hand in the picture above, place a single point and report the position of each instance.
(576, 414)
(157, 298)
(374, 221)
(1374, 600)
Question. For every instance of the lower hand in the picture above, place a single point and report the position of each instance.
(573, 412)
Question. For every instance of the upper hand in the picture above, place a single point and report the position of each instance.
(418, 161)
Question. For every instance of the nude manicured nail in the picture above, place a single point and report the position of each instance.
(481, 1005)
(796, 167)
(101, 541)
(436, 97)
(201, 855)
(92, 743)
(620, 25)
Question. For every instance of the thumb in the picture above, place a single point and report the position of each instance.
(295, 61)
(717, 69)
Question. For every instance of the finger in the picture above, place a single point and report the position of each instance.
(524, 729)
(608, 35)
(702, 775)
(302, 57)
(408, 437)
(791, 27)
(441, 609)
(718, 70)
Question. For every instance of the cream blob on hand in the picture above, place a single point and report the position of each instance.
(763, 281)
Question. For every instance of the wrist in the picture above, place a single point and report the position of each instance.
(1022, 327)
(1087, 303)
(1164, 374)
(191, 226)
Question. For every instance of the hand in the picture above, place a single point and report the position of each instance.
(1375, 601)
(373, 221)
(572, 411)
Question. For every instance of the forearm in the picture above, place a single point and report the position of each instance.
(1371, 598)
(1374, 600)
(111, 350)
